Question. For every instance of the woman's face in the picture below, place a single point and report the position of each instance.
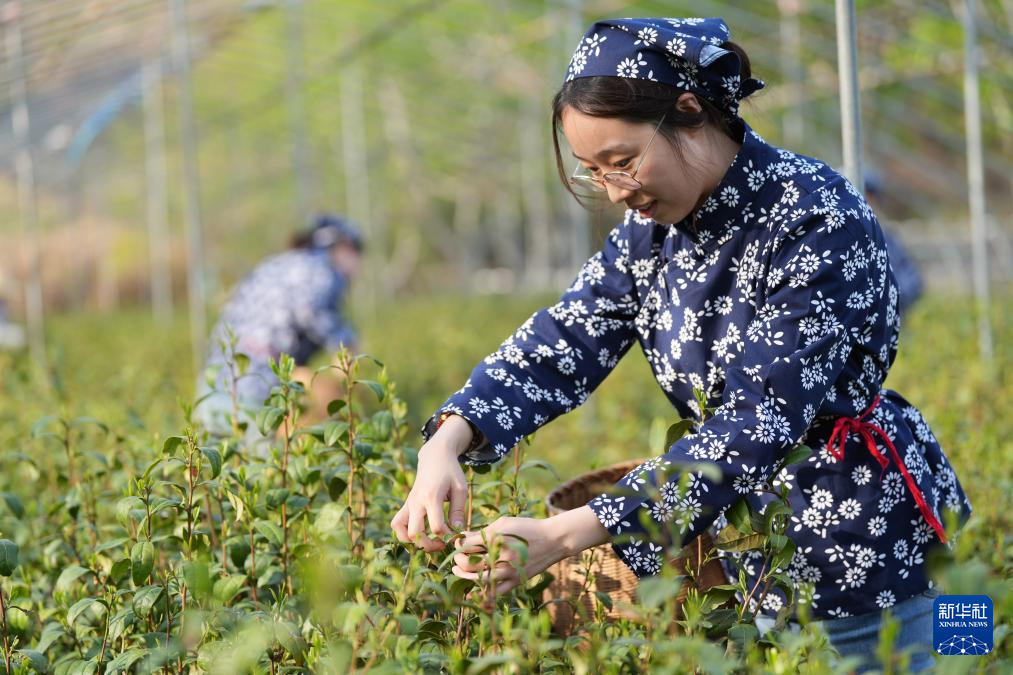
(346, 259)
(671, 187)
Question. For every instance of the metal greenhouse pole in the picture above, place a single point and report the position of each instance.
(580, 223)
(976, 179)
(196, 291)
(294, 76)
(847, 75)
(24, 167)
(793, 70)
(156, 199)
(355, 160)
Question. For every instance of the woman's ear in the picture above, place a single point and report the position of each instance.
(688, 103)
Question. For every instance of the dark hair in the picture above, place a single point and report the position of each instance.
(326, 230)
(303, 239)
(638, 101)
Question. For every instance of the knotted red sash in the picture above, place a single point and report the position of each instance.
(858, 425)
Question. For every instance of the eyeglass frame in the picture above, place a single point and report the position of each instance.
(601, 184)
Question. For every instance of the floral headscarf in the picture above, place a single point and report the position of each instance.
(685, 53)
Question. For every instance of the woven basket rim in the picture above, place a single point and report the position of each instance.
(588, 477)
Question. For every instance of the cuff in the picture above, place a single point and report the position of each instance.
(618, 514)
(478, 452)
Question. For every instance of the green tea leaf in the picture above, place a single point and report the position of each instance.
(738, 515)
(743, 633)
(171, 444)
(797, 454)
(79, 608)
(123, 661)
(128, 508)
(269, 419)
(51, 632)
(375, 386)
(111, 544)
(270, 531)
(656, 591)
(68, 576)
(8, 557)
(777, 541)
(40, 426)
(85, 421)
(14, 504)
(120, 570)
(773, 510)
(336, 487)
(227, 588)
(276, 497)
(677, 431)
(489, 663)
(214, 458)
(432, 630)
(198, 578)
(730, 539)
(38, 662)
(330, 518)
(142, 561)
(239, 551)
(604, 598)
(145, 599)
(334, 432)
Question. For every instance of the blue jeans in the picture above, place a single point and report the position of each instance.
(859, 635)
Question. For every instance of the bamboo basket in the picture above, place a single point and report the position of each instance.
(609, 574)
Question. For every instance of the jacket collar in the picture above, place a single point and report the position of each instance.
(731, 202)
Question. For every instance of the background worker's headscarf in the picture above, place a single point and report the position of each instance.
(684, 53)
(328, 229)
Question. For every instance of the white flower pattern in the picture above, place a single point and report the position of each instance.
(755, 307)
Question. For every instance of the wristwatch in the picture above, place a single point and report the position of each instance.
(478, 439)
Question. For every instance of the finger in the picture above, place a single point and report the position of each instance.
(437, 524)
(470, 544)
(400, 525)
(416, 518)
(498, 574)
(458, 504)
(416, 529)
(432, 545)
(464, 574)
(470, 562)
(478, 539)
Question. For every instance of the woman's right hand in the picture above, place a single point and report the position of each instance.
(439, 479)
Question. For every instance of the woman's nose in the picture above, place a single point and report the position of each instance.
(617, 194)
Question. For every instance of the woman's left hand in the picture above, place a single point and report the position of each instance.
(547, 540)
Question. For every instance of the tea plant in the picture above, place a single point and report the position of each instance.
(125, 551)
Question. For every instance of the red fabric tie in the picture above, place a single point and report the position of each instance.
(858, 425)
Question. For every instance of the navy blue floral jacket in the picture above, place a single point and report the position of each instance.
(776, 299)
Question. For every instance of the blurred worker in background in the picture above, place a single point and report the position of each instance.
(12, 335)
(289, 304)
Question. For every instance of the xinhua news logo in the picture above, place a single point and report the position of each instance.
(962, 625)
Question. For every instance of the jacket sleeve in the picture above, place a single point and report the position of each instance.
(555, 359)
(321, 319)
(824, 287)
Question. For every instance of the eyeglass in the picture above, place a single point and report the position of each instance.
(621, 179)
